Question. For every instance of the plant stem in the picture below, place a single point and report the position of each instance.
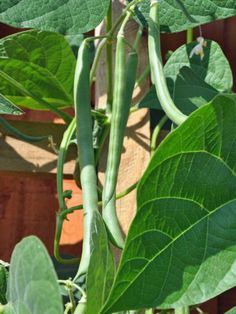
(189, 38)
(118, 196)
(62, 216)
(156, 132)
(20, 135)
(104, 136)
(97, 57)
(66, 117)
(109, 53)
(143, 76)
(68, 308)
(59, 224)
(109, 36)
(182, 310)
(138, 38)
(61, 160)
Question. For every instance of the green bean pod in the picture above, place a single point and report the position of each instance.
(85, 149)
(125, 74)
(157, 72)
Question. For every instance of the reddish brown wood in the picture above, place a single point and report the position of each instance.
(227, 301)
(28, 205)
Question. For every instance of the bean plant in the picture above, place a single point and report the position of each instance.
(180, 250)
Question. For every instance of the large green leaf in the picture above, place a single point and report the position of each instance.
(3, 284)
(232, 311)
(33, 287)
(178, 15)
(214, 68)
(181, 247)
(101, 268)
(66, 17)
(7, 107)
(43, 63)
(189, 92)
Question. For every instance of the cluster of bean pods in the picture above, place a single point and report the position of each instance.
(124, 84)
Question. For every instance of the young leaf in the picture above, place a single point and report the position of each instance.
(7, 107)
(179, 15)
(43, 63)
(33, 286)
(181, 246)
(66, 17)
(101, 268)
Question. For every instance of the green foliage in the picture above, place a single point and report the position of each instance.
(179, 15)
(7, 107)
(181, 246)
(180, 250)
(232, 311)
(214, 68)
(193, 82)
(101, 268)
(33, 286)
(66, 17)
(44, 65)
(7, 309)
(3, 284)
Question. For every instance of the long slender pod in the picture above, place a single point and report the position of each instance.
(125, 74)
(85, 149)
(156, 65)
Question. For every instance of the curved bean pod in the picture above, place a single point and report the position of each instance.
(157, 72)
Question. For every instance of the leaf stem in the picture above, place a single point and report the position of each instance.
(143, 76)
(156, 132)
(109, 54)
(189, 38)
(138, 38)
(20, 135)
(120, 195)
(182, 310)
(62, 216)
(65, 143)
(66, 117)
(59, 224)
